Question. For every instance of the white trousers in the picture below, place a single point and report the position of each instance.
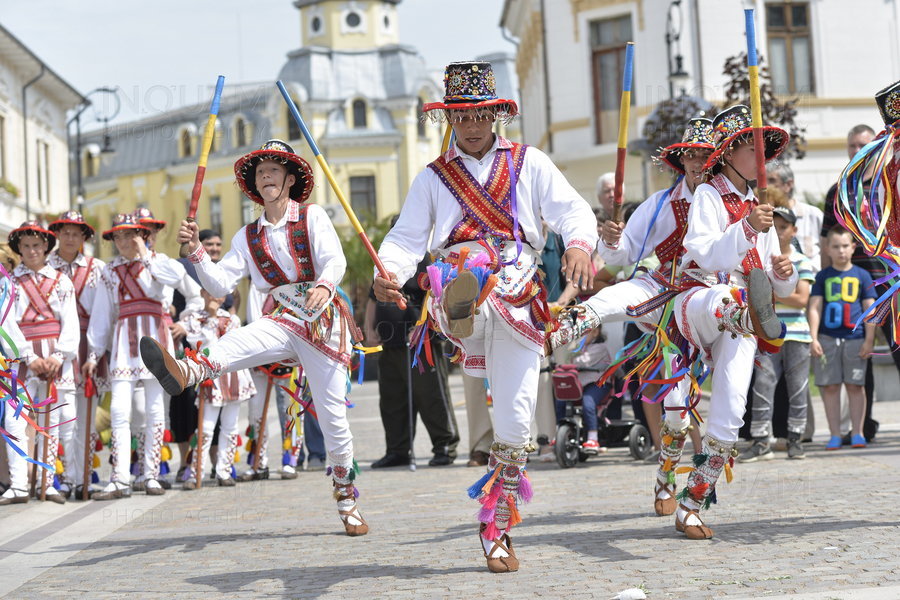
(263, 342)
(611, 302)
(481, 430)
(120, 410)
(63, 410)
(228, 426)
(731, 359)
(512, 372)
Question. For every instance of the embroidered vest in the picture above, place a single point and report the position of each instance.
(134, 304)
(893, 224)
(737, 209)
(298, 238)
(486, 209)
(38, 322)
(671, 248)
(80, 276)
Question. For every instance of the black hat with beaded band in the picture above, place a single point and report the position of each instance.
(33, 228)
(123, 222)
(697, 136)
(472, 86)
(72, 217)
(888, 101)
(144, 216)
(281, 152)
(734, 123)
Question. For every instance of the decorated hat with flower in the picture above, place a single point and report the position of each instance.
(72, 217)
(735, 123)
(697, 136)
(472, 86)
(281, 152)
(123, 222)
(145, 217)
(31, 228)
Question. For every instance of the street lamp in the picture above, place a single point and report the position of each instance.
(678, 77)
(77, 197)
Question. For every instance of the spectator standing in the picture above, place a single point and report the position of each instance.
(792, 361)
(809, 218)
(857, 138)
(841, 293)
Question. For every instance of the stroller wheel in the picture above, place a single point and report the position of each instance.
(567, 446)
(639, 442)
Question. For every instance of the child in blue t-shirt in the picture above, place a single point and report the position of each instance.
(839, 296)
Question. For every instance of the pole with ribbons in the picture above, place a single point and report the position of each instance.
(759, 142)
(208, 133)
(292, 107)
(622, 145)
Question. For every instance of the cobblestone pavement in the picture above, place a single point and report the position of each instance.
(824, 528)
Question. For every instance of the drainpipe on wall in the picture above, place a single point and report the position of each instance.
(25, 136)
(546, 77)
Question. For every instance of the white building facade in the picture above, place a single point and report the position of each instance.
(34, 163)
(831, 54)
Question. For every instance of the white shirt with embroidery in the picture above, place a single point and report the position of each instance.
(430, 211)
(61, 300)
(719, 246)
(106, 333)
(326, 253)
(627, 252)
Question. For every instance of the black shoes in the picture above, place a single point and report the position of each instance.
(391, 460)
(440, 460)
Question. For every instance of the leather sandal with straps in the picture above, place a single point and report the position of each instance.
(664, 506)
(499, 564)
(345, 492)
(458, 302)
(692, 532)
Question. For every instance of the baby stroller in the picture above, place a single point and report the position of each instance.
(571, 433)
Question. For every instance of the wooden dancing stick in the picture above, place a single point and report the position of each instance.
(334, 185)
(262, 423)
(208, 133)
(89, 391)
(198, 472)
(44, 456)
(621, 148)
(759, 142)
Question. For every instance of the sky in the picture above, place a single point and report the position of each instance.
(167, 53)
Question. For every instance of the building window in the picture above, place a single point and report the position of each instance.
(353, 20)
(187, 143)
(89, 163)
(359, 114)
(294, 132)
(215, 213)
(608, 39)
(316, 24)
(240, 132)
(790, 48)
(43, 171)
(362, 196)
(420, 118)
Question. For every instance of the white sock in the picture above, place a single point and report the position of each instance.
(349, 505)
(686, 517)
(14, 493)
(662, 494)
(488, 544)
(592, 435)
(152, 483)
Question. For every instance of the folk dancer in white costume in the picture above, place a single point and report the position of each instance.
(485, 199)
(129, 305)
(292, 251)
(657, 226)
(734, 259)
(45, 311)
(68, 257)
